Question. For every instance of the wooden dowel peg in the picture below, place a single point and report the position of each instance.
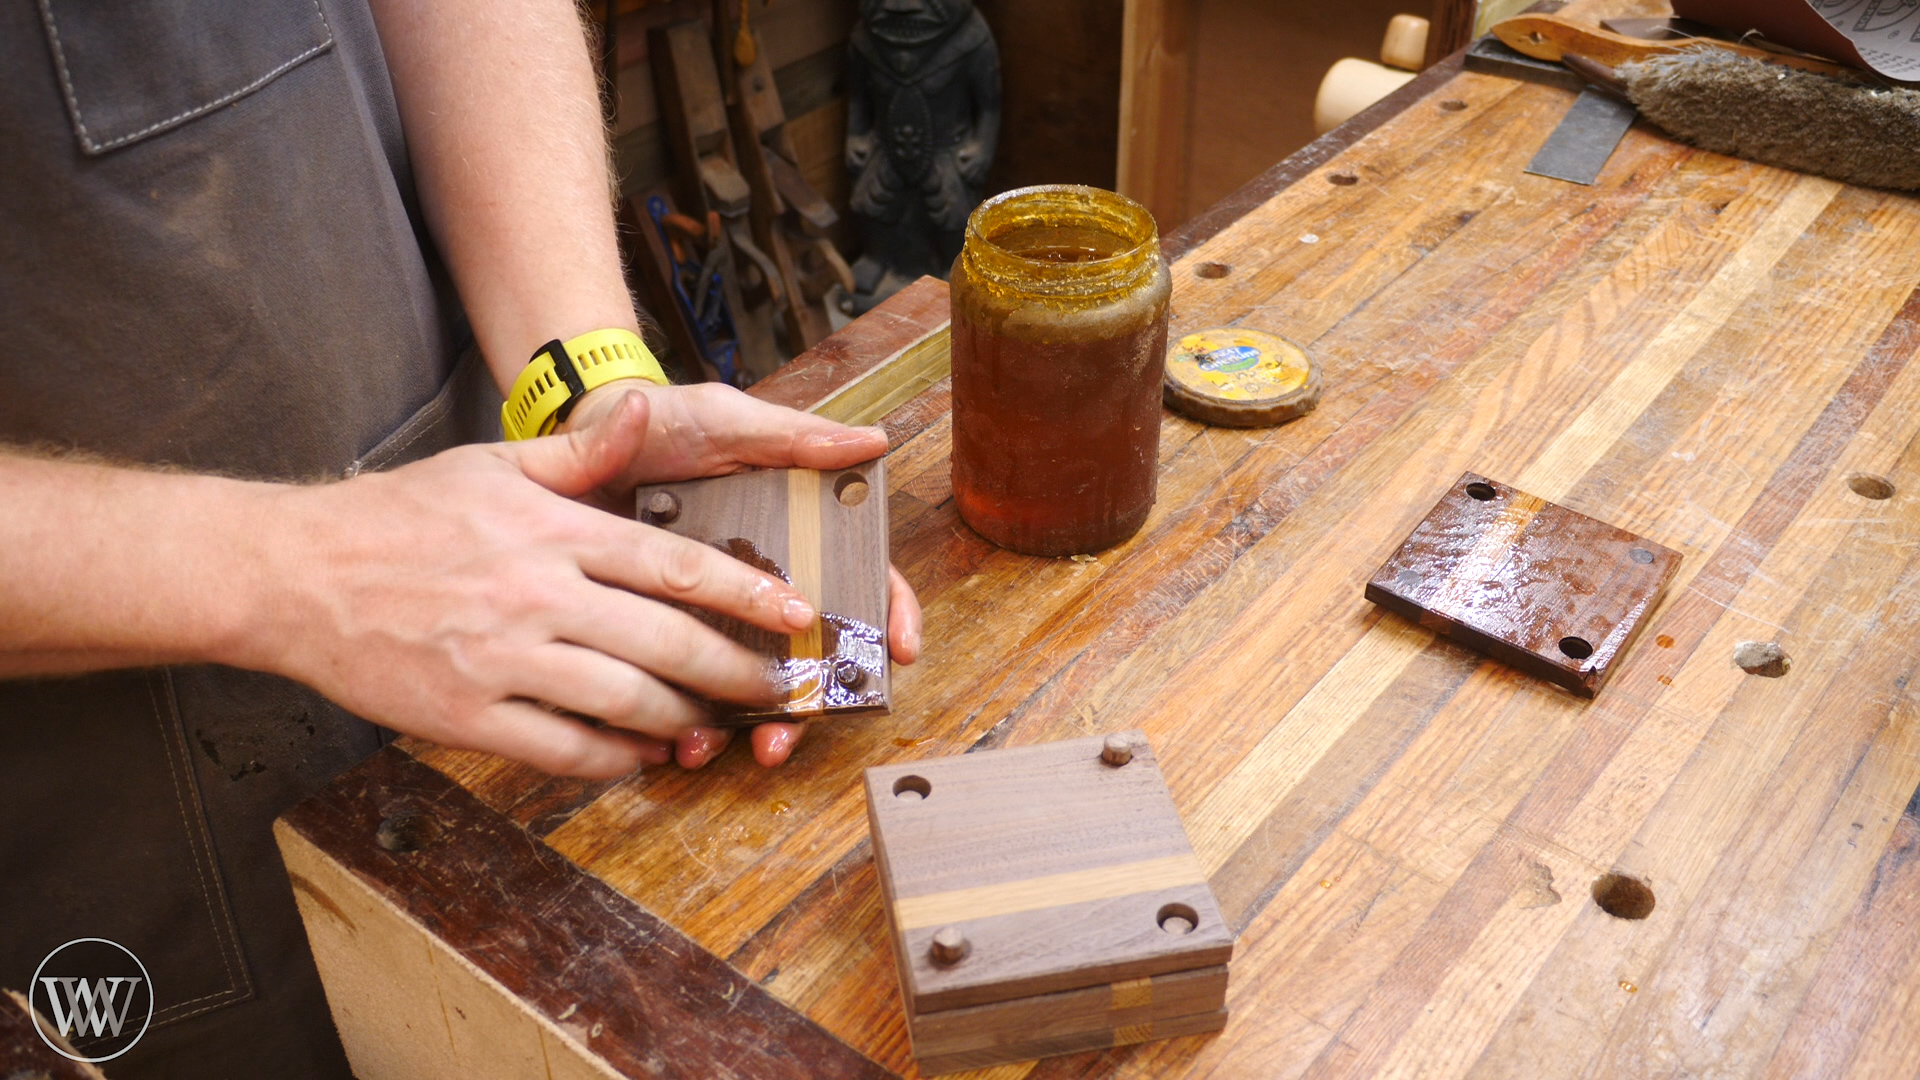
(950, 946)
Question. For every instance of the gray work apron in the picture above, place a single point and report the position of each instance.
(209, 258)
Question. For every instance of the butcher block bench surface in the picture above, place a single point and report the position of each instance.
(1411, 841)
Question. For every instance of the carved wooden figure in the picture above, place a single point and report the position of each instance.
(1044, 900)
(1530, 583)
(923, 120)
(824, 532)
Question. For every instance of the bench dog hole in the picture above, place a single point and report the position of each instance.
(1623, 897)
(404, 832)
(1212, 270)
(1868, 486)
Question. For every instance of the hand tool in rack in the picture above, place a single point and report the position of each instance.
(1777, 107)
(648, 265)
(697, 281)
(707, 178)
(1553, 37)
(760, 141)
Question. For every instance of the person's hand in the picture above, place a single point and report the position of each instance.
(470, 600)
(710, 430)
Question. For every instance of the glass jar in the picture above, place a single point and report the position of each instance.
(1059, 343)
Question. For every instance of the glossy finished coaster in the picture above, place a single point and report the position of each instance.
(1530, 583)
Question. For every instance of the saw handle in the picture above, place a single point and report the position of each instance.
(1551, 37)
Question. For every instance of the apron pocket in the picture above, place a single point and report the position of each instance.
(466, 409)
(130, 70)
(102, 834)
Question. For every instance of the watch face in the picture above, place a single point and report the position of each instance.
(906, 23)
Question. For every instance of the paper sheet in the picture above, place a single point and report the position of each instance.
(1881, 35)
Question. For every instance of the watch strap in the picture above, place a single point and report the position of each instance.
(560, 373)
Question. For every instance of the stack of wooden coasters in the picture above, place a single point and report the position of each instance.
(1044, 900)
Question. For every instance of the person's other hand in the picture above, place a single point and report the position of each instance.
(471, 600)
(710, 430)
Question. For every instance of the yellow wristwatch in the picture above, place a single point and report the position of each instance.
(561, 373)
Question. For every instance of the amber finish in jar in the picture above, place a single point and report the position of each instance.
(1059, 341)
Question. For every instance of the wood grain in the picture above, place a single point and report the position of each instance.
(1705, 352)
(826, 535)
(1055, 1045)
(1156, 75)
(1108, 1008)
(464, 972)
(1056, 866)
(1528, 582)
(911, 322)
(1450, 28)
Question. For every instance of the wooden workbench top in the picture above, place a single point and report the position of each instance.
(1710, 353)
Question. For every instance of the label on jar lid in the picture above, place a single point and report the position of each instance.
(1236, 377)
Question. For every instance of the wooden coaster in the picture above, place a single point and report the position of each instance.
(1044, 899)
(1530, 583)
(1235, 377)
(826, 534)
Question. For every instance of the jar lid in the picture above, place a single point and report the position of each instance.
(1235, 377)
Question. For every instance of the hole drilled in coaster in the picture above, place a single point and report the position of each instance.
(1177, 919)
(912, 788)
(1483, 492)
(1577, 647)
(850, 489)
(1623, 897)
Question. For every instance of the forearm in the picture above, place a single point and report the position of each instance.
(107, 567)
(503, 126)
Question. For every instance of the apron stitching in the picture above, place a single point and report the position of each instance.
(242, 979)
(222, 926)
(73, 102)
(419, 425)
(419, 431)
(198, 1011)
(66, 79)
(437, 409)
(211, 105)
(163, 1016)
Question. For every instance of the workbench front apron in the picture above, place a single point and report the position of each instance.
(211, 260)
